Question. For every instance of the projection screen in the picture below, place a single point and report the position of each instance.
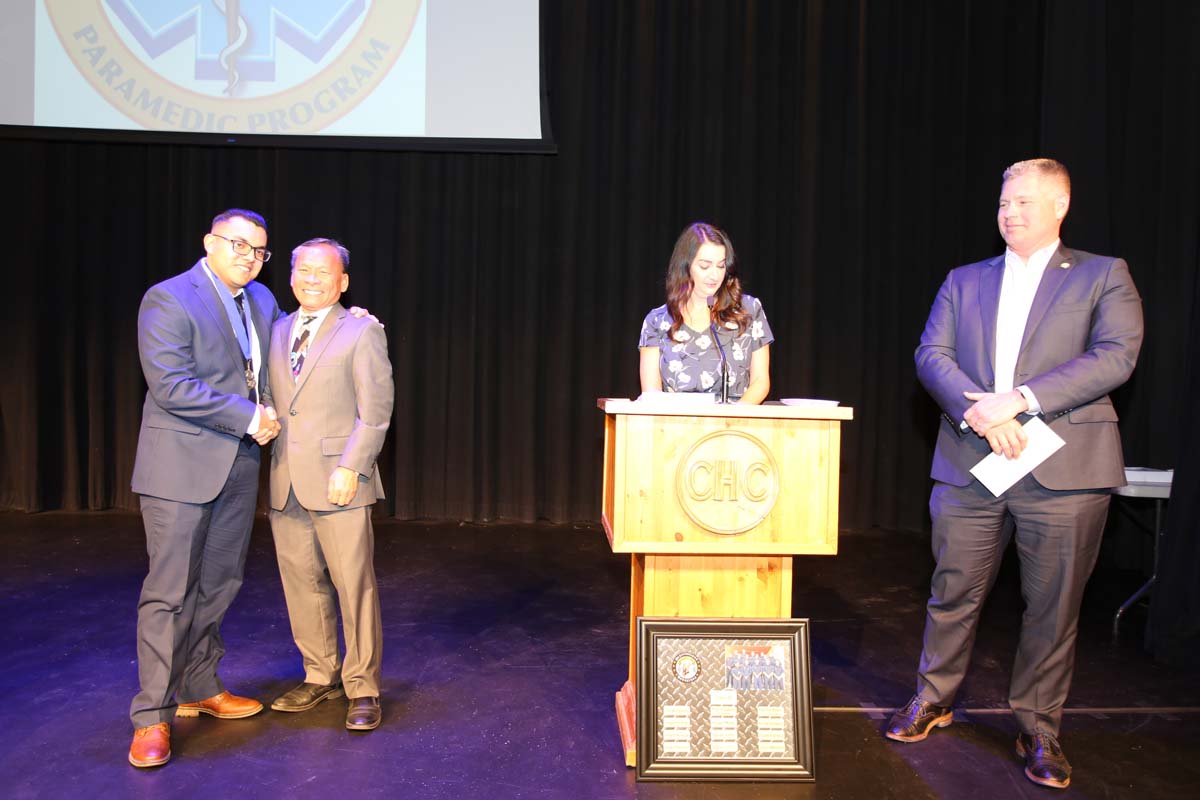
(393, 74)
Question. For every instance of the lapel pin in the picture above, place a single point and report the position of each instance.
(1065, 265)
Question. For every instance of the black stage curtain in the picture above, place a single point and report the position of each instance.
(853, 150)
(1174, 630)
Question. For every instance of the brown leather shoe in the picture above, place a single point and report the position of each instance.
(1045, 762)
(151, 746)
(222, 706)
(363, 714)
(914, 722)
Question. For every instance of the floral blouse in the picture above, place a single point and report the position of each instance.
(691, 363)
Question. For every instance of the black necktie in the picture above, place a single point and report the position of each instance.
(251, 392)
(239, 299)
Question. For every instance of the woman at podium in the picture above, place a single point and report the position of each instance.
(708, 336)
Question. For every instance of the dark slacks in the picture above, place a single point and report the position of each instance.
(1057, 539)
(197, 557)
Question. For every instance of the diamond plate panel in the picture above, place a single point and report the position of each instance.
(724, 698)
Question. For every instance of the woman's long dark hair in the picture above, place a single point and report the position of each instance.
(728, 305)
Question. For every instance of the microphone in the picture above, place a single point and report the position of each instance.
(712, 326)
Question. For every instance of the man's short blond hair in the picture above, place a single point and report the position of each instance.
(1043, 167)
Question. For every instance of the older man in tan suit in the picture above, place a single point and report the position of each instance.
(333, 388)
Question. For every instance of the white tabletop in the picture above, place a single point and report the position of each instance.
(1144, 482)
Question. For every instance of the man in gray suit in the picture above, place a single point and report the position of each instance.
(202, 339)
(1041, 331)
(333, 384)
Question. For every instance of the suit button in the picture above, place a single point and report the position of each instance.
(292, 413)
(990, 384)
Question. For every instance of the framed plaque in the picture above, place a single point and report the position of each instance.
(724, 700)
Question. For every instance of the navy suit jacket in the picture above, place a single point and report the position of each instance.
(196, 408)
(1081, 341)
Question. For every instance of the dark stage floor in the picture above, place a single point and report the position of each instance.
(504, 645)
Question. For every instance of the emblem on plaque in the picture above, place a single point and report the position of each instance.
(686, 667)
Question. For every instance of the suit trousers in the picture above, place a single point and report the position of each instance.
(1057, 537)
(327, 560)
(197, 556)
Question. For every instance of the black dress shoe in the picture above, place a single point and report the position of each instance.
(1045, 762)
(914, 722)
(306, 695)
(364, 714)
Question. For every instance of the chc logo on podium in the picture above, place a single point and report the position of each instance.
(217, 66)
(727, 482)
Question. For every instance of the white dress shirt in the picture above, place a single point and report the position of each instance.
(314, 326)
(255, 349)
(1021, 280)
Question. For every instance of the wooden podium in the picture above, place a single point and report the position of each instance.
(712, 502)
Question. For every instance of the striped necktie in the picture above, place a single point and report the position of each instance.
(300, 344)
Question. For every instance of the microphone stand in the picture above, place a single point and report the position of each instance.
(712, 327)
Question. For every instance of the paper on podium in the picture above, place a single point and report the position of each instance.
(997, 473)
(675, 401)
(805, 401)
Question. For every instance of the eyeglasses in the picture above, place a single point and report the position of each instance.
(245, 248)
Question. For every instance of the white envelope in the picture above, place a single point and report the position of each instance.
(997, 473)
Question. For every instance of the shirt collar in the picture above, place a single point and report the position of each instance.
(319, 315)
(212, 276)
(1037, 261)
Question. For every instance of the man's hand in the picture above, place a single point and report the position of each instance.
(343, 485)
(268, 425)
(1007, 439)
(991, 409)
(359, 313)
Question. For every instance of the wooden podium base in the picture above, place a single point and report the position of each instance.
(627, 722)
(737, 587)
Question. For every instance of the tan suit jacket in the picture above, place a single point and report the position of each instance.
(336, 414)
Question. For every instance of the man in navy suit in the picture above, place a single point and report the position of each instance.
(203, 339)
(1046, 331)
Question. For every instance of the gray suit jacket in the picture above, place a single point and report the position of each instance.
(1081, 341)
(196, 408)
(335, 414)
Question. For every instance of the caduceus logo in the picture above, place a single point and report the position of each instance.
(215, 65)
(236, 34)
